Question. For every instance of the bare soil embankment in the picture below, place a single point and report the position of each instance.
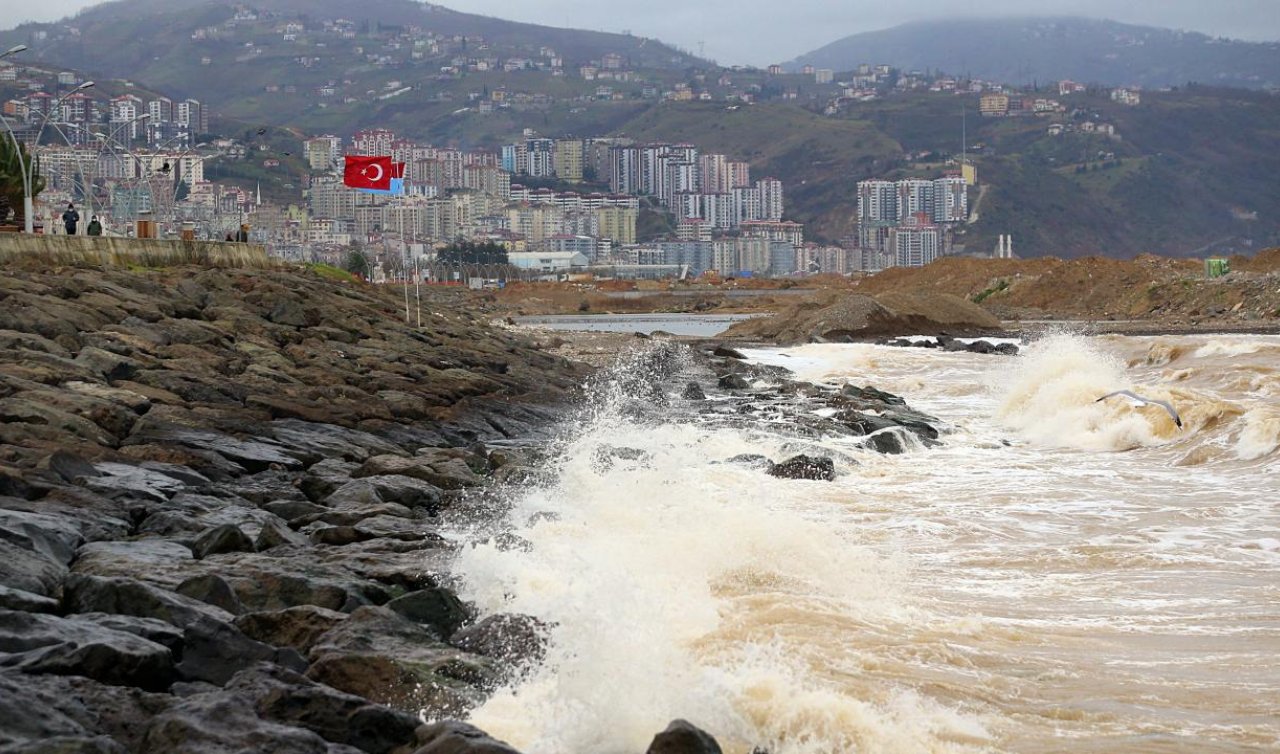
(845, 317)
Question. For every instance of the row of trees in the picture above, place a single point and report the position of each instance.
(13, 157)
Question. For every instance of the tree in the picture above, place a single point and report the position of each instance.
(12, 193)
(356, 262)
(470, 252)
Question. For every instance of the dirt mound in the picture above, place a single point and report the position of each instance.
(1165, 291)
(843, 318)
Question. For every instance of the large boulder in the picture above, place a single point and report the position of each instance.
(683, 737)
(66, 646)
(453, 737)
(445, 468)
(285, 697)
(438, 609)
(297, 627)
(805, 467)
(225, 722)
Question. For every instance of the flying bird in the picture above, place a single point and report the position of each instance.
(1138, 400)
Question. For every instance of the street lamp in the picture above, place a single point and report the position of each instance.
(29, 169)
(13, 51)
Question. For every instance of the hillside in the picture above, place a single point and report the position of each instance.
(1025, 50)
(223, 52)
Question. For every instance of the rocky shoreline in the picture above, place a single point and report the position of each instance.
(220, 505)
(229, 502)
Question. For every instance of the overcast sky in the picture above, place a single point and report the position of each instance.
(760, 32)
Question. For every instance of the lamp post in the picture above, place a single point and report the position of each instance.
(29, 169)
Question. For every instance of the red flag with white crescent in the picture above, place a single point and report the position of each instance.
(368, 173)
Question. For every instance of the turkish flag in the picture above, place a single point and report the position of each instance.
(368, 173)
(397, 170)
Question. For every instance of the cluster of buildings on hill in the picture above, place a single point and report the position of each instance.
(908, 223)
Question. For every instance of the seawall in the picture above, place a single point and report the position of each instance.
(21, 250)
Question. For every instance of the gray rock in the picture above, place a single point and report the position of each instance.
(292, 510)
(683, 737)
(29, 571)
(66, 646)
(330, 441)
(158, 561)
(297, 627)
(35, 709)
(438, 609)
(888, 441)
(214, 650)
(693, 392)
(123, 596)
(512, 639)
(370, 491)
(805, 467)
(274, 534)
(119, 479)
(227, 723)
(111, 366)
(158, 631)
(734, 382)
(221, 539)
(66, 745)
(453, 737)
(286, 697)
(211, 589)
(436, 466)
(17, 599)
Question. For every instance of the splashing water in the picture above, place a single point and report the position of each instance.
(1049, 596)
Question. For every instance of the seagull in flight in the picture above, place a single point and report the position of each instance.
(1138, 400)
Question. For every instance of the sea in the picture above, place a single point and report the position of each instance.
(1058, 575)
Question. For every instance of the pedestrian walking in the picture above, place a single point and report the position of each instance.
(95, 227)
(70, 218)
(242, 236)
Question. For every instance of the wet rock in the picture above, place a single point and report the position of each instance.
(118, 479)
(869, 393)
(41, 644)
(340, 536)
(286, 697)
(805, 467)
(445, 468)
(18, 599)
(753, 460)
(220, 539)
(67, 745)
(734, 382)
(68, 466)
(438, 609)
(289, 312)
(453, 737)
(683, 737)
(111, 366)
(214, 650)
(123, 596)
(323, 478)
(377, 654)
(35, 709)
(225, 722)
(374, 490)
(293, 510)
(887, 441)
(514, 640)
(297, 627)
(211, 589)
(606, 456)
(254, 455)
(156, 560)
(329, 441)
(275, 535)
(693, 392)
(29, 571)
(728, 352)
(164, 634)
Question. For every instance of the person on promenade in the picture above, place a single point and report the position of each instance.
(95, 227)
(242, 236)
(70, 218)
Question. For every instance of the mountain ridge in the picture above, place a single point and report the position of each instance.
(1022, 50)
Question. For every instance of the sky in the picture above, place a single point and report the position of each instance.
(760, 32)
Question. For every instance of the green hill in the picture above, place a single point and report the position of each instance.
(226, 53)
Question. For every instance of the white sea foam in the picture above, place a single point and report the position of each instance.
(961, 598)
